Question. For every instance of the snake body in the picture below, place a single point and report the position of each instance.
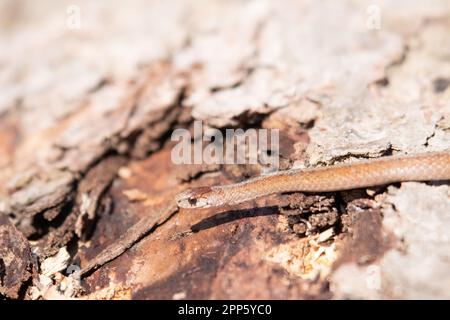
(420, 167)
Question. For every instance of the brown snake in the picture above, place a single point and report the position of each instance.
(381, 171)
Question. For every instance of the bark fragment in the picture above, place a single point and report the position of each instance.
(17, 265)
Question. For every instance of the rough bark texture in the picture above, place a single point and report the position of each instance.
(85, 121)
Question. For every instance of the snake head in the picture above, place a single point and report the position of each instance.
(195, 198)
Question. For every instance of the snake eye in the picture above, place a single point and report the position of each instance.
(192, 201)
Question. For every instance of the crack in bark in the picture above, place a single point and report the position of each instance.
(129, 238)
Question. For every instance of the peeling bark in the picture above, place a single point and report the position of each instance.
(17, 265)
(85, 147)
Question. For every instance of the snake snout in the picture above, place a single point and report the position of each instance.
(193, 198)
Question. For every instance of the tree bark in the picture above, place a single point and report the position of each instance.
(88, 105)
